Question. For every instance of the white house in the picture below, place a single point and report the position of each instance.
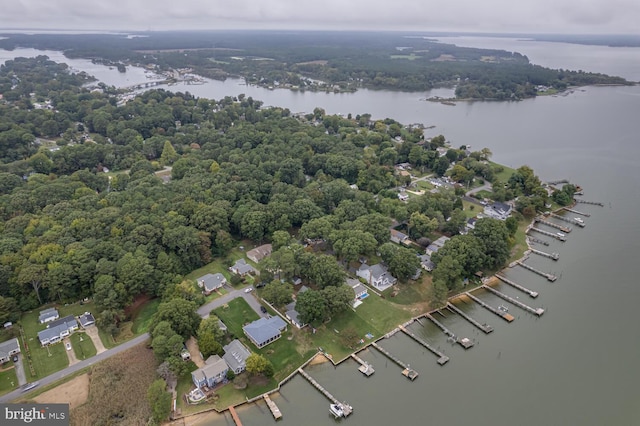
(48, 315)
(242, 268)
(376, 275)
(8, 349)
(58, 330)
(498, 210)
(292, 315)
(436, 245)
(235, 355)
(213, 372)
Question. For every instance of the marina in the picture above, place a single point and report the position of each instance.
(442, 358)
(486, 328)
(548, 276)
(535, 311)
(464, 342)
(407, 371)
(504, 315)
(513, 284)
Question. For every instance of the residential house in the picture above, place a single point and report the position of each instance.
(360, 291)
(292, 315)
(86, 320)
(376, 275)
(471, 223)
(399, 238)
(48, 315)
(211, 282)
(242, 268)
(213, 372)
(426, 263)
(222, 326)
(235, 355)
(265, 330)
(58, 330)
(259, 253)
(498, 210)
(403, 197)
(8, 349)
(436, 245)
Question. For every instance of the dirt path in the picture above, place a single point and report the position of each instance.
(92, 332)
(194, 350)
(75, 392)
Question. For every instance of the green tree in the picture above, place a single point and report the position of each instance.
(325, 271)
(211, 326)
(257, 364)
(160, 401)
(169, 154)
(209, 346)
(278, 293)
(311, 306)
(337, 299)
(180, 314)
(494, 236)
(402, 262)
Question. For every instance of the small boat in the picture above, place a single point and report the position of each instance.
(578, 219)
(503, 308)
(336, 410)
(560, 234)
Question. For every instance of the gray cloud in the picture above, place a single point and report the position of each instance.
(560, 16)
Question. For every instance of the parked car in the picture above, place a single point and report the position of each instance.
(261, 284)
(67, 346)
(263, 309)
(15, 358)
(248, 289)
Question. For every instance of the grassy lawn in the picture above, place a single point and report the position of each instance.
(237, 314)
(424, 185)
(82, 346)
(520, 246)
(8, 381)
(46, 360)
(471, 209)
(505, 174)
(409, 294)
(218, 265)
(142, 318)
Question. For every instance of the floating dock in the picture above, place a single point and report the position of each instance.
(513, 284)
(538, 240)
(464, 342)
(553, 256)
(273, 407)
(407, 372)
(484, 327)
(553, 225)
(234, 416)
(549, 234)
(365, 368)
(569, 220)
(504, 315)
(442, 358)
(548, 276)
(595, 203)
(346, 408)
(576, 212)
(535, 311)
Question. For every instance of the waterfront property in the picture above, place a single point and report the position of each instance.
(235, 355)
(359, 291)
(265, 330)
(211, 282)
(8, 349)
(376, 275)
(213, 372)
(498, 210)
(48, 315)
(58, 330)
(292, 315)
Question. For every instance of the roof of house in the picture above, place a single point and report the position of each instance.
(214, 366)
(8, 347)
(57, 327)
(259, 253)
(235, 354)
(265, 329)
(242, 267)
(222, 325)
(399, 235)
(377, 271)
(357, 286)
(48, 313)
(497, 205)
(440, 241)
(69, 321)
(211, 282)
(292, 314)
(86, 319)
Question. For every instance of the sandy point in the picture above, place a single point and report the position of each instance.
(319, 359)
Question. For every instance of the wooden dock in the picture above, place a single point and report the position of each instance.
(442, 358)
(552, 256)
(406, 367)
(569, 220)
(594, 203)
(504, 315)
(553, 225)
(557, 182)
(234, 416)
(535, 311)
(513, 284)
(273, 407)
(464, 342)
(538, 240)
(576, 212)
(365, 368)
(346, 408)
(486, 328)
(548, 276)
(548, 234)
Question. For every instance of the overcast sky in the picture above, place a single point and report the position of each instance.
(538, 16)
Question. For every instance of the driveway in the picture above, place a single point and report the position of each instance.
(250, 298)
(22, 377)
(92, 332)
(71, 354)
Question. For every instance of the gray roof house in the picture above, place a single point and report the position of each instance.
(58, 330)
(359, 290)
(242, 268)
(399, 238)
(426, 263)
(259, 253)
(235, 355)
(211, 282)
(48, 315)
(437, 245)
(222, 326)
(376, 275)
(293, 315)
(8, 349)
(498, 210)
(213, 372)
(86, 320)
(265, 330)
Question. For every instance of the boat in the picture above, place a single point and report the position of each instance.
(336, 410)
(560, 234)
(503, 308)
(578, 219)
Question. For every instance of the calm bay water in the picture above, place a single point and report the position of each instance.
(573, 366)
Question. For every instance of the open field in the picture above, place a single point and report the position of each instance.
(74, 392)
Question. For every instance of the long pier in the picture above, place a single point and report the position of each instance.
(411, 374)
(557, 182)
(273, 407)
(486, 328)
(580, 223)
(504, 315)
(234, 416)
(442, 358)
(464, 342)
(346, 408)
(576, 212)
(513, 284)
(538, 240)
(553, 225)
(553, 256)
(548, 234)
(365, 368)
(535, 311)
(548, 276)
(595, 203)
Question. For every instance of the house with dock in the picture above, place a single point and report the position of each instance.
(376, 276)
(213, 372)
(235, 355)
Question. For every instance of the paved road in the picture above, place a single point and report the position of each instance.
(203, 311)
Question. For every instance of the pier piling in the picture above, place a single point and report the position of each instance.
(346, 408)
(549, 234)
(513, 284)
(486, 328)
(407, 372)
(275, 411)
(553, 256)
(535, 311)
(595, 203)
(504, 315)
(577, 212)
(365, 368)
(548, 276)
(553, 225)
(464, 342)
(442, 358)
(579, 223)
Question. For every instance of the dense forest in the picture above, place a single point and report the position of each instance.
(84, 213)
(344, 61)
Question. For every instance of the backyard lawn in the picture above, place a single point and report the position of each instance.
(8, 380)
(45, 360)
(82, 346)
